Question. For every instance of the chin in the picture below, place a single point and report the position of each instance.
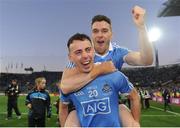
(87, 70)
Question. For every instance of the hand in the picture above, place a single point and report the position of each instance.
(29, 106)
(103, 68)
(138, 15)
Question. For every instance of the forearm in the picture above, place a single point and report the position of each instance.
(73, 82)
(145, 55)
(63, 113)
(135, 105)
(146, 51)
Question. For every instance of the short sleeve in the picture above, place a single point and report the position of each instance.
(123, 85)
(64, 98)
(122, 52)
(119, 53)
(70, 65)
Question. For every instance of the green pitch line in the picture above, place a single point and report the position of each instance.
(175, 113)
(160, 115)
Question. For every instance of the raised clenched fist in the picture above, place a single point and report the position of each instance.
(138, 15)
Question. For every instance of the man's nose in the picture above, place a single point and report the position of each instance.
(84, 54)
(100, 34)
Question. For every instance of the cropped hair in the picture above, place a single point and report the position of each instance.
(78, 36)
(39, 80)
(99, 18)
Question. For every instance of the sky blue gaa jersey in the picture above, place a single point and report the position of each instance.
(115, 53)
(97, 103)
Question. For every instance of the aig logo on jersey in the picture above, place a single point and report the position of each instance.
(98, 106)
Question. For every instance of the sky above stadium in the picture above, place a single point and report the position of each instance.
(34, 33)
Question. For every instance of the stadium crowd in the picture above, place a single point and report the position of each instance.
(151, 78)
(151, 82)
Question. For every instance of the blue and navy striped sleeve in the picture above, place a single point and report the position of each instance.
(70, 65)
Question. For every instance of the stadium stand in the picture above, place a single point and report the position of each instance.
(151, 78)
(26, 81)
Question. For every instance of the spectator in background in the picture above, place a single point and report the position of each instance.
(141, 93)
(12, 92)
(147, 98)
(166, 96)
(38, 101)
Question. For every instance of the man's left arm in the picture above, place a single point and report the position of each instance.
(135, 104)
(144, 56)
(17, 90)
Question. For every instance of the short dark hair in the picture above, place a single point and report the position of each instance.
(100, 18)
(78, 36)
(14, 79)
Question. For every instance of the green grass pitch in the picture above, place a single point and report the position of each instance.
(152, 117)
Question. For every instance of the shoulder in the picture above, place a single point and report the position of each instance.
(118, 73)
(31, 92)
(46, 92)
(119, 51)
(120, 77)
(115, 75)
(118, 47)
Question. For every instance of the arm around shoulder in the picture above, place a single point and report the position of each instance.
(73, 80)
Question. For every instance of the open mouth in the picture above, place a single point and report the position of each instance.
(86, 64)
(100, 42)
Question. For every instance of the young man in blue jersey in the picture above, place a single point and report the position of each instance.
(106, 50)
(97, 103)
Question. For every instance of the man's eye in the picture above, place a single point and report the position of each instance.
(78, 53)
(105, 31)
(88, 50)
(95, 31)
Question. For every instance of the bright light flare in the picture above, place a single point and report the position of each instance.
(154, 34)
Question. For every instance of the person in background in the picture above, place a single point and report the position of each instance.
(13, 93)
(38, 101)
(166, 96)
(147, 97)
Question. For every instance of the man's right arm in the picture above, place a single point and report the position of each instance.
(73, 80)
(63, 113)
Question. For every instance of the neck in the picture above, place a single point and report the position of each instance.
(103, 53)
(38, 88)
